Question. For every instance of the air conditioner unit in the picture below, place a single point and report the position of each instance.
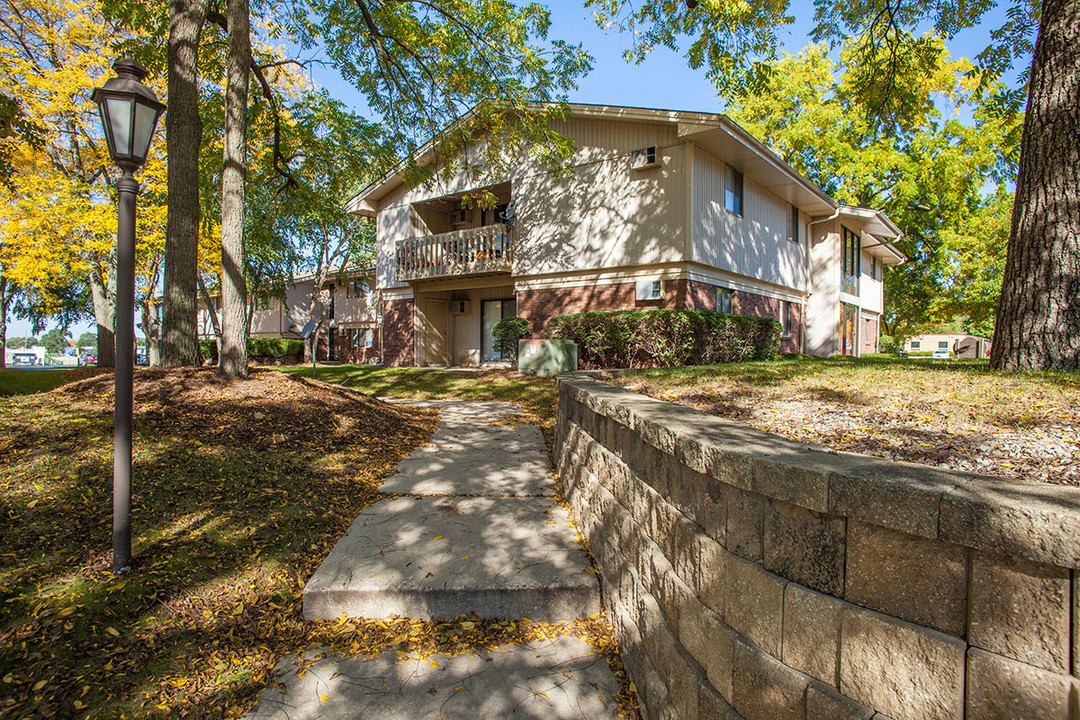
(644, 158)
(459, 307)
(459, 217)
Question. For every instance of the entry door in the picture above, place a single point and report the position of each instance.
(848, 329)
(491, 312)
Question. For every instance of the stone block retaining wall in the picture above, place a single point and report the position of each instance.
(752, 577)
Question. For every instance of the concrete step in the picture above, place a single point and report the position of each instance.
(552, 680)
(438, 557)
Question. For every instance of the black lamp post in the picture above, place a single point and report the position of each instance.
(129, 113)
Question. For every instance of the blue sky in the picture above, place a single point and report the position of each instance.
(663, 81)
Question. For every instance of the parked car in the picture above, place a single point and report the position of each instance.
(141, 356)
(941, 354)
(88, 359)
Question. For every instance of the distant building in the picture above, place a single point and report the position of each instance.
(34, 355)
(961, 345)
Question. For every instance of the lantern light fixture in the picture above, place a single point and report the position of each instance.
(129, 113)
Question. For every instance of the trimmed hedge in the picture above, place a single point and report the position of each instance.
(667, 338)
(259, 347)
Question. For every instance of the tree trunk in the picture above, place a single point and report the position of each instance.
(233, 355)
(183, 126)
(1038, 320)
(151, 327)
(4, 300)
(103, 293)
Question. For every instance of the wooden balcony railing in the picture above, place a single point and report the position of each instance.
(476, 251)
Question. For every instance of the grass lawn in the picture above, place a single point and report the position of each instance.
(22, 381)
(240, 490)
(956, 414)
(536, 395)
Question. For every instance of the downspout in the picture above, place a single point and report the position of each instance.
(809, 275)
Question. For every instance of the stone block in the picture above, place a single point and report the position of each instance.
(1020, 609)
(685, 551)
(921, 580)
(907, 671)
(1034, 521)
(895, 495)
(745, 521)
(766, 689)
(715, 576)
(710, 642)
(825, 703)
(755, 605)
(681, 673)
(795, 474)
(805, 547)
(812, 623)
(1003, 689)
(713, 706)
(707, 507)
(730, 467)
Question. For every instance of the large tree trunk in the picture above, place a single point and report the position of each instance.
(233, 355)
(1038, 321)
(180, 343)
(4, 301)
(103, 293)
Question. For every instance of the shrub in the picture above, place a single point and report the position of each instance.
(507, 332)
(890, 344)
(274, 347)
(208, 349)
(667, 338)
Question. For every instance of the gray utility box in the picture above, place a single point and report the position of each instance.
(547, 357)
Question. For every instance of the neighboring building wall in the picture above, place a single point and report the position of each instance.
(398, 333)
(753, 245)
(750, 576)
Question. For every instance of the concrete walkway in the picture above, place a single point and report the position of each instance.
(475, 530)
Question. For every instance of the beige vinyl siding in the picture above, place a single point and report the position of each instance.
(754, 244)
(606, 214)
(823, 305)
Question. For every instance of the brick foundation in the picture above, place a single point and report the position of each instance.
(398, 333)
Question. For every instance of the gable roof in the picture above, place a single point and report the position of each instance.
(715, 133)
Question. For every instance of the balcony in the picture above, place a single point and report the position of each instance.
(475, 251)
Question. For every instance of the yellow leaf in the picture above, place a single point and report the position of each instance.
(9, 678)
(66, 611)
(39, 684)
(324, 698)
(113, 631)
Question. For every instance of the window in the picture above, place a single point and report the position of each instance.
(724, 300)
(916, 344)
(785, 317)
(643, 158)
(793, 223)
(943, 345)
(733, 187)
(649, 289)
(874, 268)
(851, 250)
(356, 288)
(361, 337)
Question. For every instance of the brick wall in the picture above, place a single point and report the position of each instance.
(747, 303)
(398, 333)
(751, 577)
(356, 355)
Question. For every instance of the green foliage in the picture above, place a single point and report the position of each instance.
(507, 332)
(22, 342)
(259, 348)
(888, 344)
(667, 338)
(275, 347)
(56, 340)
(927, 171)
(88, 340)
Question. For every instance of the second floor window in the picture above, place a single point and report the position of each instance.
(356, 288)
(733, 190)
(793, 223)
(851, 250)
